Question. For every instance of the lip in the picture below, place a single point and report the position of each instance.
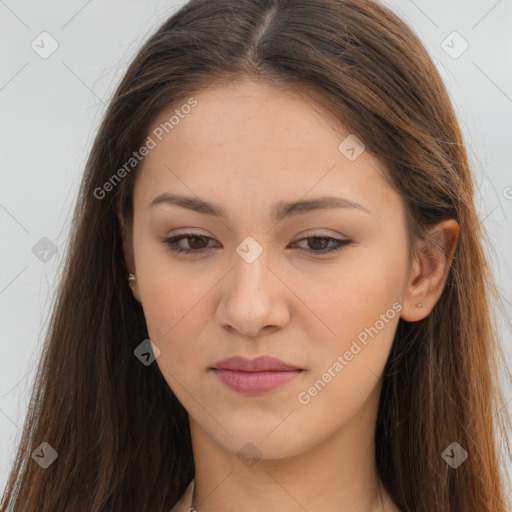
(253, 376)
(259, 364)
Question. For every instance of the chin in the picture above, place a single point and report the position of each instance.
(256, 442)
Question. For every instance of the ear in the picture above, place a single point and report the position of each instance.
(126, 234)
(429, 271)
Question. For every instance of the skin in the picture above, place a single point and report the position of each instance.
(246, 147)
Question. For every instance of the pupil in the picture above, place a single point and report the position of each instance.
(195, 238)
(316, 239)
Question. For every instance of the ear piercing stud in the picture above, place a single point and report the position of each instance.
(419, 305)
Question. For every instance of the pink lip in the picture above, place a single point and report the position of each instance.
(258, 375)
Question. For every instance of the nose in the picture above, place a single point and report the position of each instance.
(254, 300)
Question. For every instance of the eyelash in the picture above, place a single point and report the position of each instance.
(171, 244)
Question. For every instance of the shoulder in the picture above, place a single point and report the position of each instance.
(185, 501)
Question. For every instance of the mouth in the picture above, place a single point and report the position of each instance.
(254, 376)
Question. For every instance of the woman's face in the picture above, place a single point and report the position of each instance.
(253, 283)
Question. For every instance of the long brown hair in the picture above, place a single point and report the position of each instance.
(121, 435)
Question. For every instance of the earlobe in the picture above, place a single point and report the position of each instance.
(132, 280)
(430, 270)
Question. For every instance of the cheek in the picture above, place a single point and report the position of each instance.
(175, 318)
(361, 306)
(355, 294)
(178, 308)
(170, 292)
(174, 313)
(346, 367)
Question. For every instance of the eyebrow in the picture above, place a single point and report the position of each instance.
(281, 209)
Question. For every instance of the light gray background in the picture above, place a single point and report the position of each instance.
(51, 108)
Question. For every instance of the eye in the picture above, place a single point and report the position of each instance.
(198, 243)
(320, 244)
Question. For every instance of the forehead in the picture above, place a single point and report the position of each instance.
(258, 114)
(258, 142)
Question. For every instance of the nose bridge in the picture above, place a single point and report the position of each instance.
(251, 274)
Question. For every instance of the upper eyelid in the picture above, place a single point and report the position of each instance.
(310, 233)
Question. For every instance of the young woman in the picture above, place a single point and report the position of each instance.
(276, 295)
